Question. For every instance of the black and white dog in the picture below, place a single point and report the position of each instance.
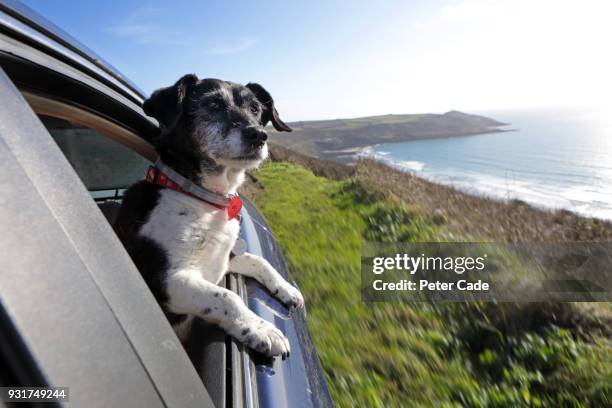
(180, 225)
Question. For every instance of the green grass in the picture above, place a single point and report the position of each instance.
(398, 354)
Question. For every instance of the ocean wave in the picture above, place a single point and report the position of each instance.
(588, 194)
(584, 200)
(410, 165)
(404, 165)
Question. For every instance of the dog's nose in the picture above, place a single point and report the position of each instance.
(254, 135)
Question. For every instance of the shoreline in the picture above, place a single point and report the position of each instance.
(350, 156)
(494, 218)
(507, 196)
(483, 191)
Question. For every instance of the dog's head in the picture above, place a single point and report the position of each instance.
(213, 120)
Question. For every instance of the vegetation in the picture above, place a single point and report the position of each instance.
(399, 354)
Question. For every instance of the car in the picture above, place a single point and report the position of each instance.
(74, 310)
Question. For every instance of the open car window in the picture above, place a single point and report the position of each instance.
(104, 165)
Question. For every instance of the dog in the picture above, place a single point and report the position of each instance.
(180, 224)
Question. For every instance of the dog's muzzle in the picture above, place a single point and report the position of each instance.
(254, 136)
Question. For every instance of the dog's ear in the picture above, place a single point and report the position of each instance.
(166, 104)
(269, 113)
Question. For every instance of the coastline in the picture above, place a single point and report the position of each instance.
(485, 191)
(483, 216)
(551, 197)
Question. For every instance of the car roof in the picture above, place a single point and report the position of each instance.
(28, 16)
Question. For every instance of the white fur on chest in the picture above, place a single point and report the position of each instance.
(196, 236)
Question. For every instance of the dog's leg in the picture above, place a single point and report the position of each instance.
(258, 268)
(190, 293)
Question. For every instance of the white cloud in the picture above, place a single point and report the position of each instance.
(418, 25)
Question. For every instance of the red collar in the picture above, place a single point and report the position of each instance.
(234, 203)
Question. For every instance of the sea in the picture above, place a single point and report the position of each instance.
(556, 159)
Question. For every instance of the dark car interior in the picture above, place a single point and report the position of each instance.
(106, 167)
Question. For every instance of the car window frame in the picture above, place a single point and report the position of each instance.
(47, 106)
(102, 128)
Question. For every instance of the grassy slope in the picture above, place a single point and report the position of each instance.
(415, 355)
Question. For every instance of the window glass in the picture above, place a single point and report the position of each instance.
(100, 162)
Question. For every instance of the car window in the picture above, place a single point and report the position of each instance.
(102, 163)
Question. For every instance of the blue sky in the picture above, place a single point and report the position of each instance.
(330, 59)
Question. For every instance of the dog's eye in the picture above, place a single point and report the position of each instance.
(213, 105)
(254, 108)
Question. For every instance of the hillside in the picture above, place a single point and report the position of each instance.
(338, 139)
(418, 354)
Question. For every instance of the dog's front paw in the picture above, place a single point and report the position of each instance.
(265, 338)
(289, 295)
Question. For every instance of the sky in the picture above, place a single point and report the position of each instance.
(339, 59)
